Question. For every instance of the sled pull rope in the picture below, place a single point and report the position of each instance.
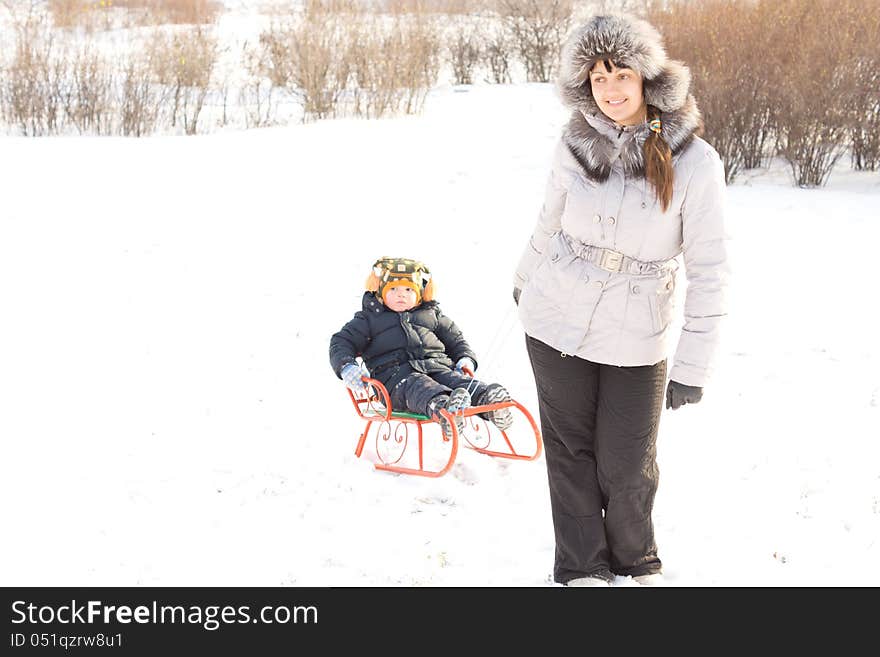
(496, 345)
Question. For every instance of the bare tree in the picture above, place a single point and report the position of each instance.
(816, 92)
(87, 92)
(865, 112)
(865, 128)
(140, 99)
(721, 43)
(255, 95)
(184, 62)
(538, 29)
(29, 84)
(497, 50)
(464, 51)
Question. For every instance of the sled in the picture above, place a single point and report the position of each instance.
(414, 444)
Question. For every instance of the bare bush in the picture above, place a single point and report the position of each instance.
(100, 14)
(160, 12)
(462, 7)
(726, 47)
(55, 85)
(497, 53)
(315, 75)
(88, 15)
(424, 7)
(306, 59)
(255, 99)
(639, 7)
(184, 62)
(865, 128)
(23, 14)
(416, 44)
(865, 114)
(464, 51)
(537, 29)
(401, 6)
(29, 97)
(374, 59)
(87, 92)
(370, 93)
(69, 13)
(366, 65)
(140, 100)
(817, 90)
(821, 97)
(393, 65)
(408, 7)
(255, 95)
(315, 8)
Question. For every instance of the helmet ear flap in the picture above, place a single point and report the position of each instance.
(372, 283)
(428, 293)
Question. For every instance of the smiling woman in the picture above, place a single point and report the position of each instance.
(618, 92)
(632, 188)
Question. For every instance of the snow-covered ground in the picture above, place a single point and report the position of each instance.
(168, 415)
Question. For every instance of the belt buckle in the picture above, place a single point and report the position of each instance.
(611, 260)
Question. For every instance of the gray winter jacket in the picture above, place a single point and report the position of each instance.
(597, 195)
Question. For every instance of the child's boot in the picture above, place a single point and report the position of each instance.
(455, 402)
(495, 394)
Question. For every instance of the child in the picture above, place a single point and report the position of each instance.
(409, 345)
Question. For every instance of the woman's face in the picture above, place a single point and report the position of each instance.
(618, 93)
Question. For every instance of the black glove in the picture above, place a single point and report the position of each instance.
(516, 293)
(678, 394)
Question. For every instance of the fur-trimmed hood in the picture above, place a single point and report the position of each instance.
(633, 43)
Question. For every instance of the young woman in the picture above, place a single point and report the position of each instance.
(632, 187)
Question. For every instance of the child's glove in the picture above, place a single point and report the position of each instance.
(352, 375)
(463, 363)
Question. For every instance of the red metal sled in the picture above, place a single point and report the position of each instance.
(435, 451)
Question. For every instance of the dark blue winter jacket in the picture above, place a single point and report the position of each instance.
(393, 344)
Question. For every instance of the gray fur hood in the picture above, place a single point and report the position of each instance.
(633, 43)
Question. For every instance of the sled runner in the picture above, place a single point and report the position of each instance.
(416, 444)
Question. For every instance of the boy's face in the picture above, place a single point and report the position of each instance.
(400, 298)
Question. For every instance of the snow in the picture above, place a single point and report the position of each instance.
(168, 415)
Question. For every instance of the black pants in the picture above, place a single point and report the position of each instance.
(599, 424)
(415, 391)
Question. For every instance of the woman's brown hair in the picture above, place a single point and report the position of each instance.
(658, 162)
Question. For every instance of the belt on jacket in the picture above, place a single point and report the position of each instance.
(614, 261)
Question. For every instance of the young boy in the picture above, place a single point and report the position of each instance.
(409, 345)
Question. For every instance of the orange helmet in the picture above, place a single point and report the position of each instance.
(389, 272)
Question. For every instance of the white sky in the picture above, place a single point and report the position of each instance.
(168, 415)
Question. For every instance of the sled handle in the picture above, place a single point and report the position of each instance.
(380, 394)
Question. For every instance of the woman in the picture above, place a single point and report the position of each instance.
(631, 188)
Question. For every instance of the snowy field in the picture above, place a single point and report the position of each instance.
(168, 416)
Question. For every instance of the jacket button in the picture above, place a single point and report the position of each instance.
(597, 219)
(669, 285)
(611, 220)
(636, 289)
(598, 284)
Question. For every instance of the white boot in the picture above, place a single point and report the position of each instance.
(654, 579)
(588, 581)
